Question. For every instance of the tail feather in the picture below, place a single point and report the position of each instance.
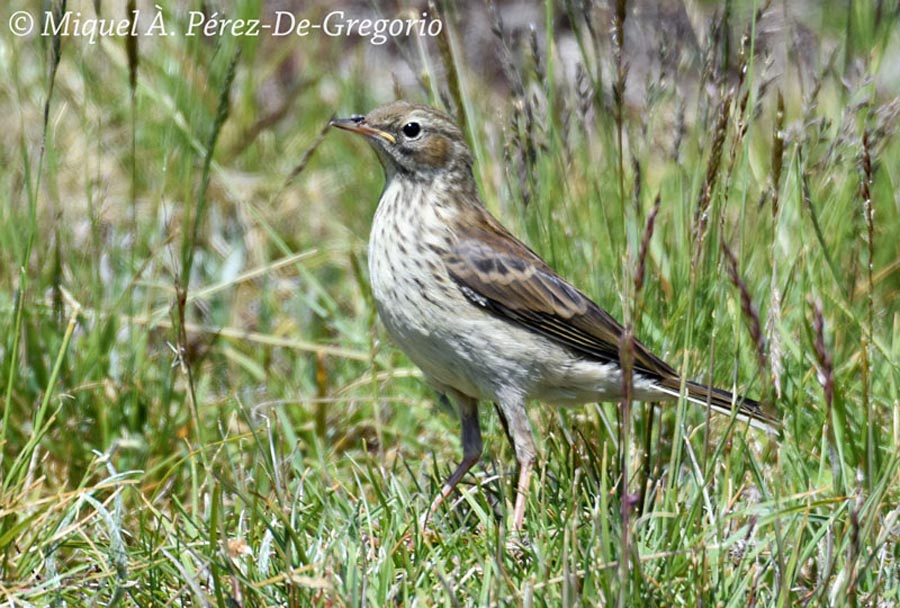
(724, 402)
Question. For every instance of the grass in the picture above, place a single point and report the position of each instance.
(200, 408)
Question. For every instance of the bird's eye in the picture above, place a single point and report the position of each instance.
(412, 129)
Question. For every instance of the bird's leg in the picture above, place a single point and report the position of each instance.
(518, 430)
(471, 442)
(521, 493)
(505, 424)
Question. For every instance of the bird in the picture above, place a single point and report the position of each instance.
(482, 315)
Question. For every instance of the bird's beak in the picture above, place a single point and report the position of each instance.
(357, 124)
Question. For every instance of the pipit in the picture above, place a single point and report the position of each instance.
(483, 316)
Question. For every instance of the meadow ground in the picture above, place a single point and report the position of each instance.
(200, 408)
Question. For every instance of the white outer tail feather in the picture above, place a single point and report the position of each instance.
(755, 423)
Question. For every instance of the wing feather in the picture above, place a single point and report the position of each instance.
(499, 273)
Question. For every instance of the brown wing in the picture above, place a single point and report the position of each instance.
(499, 273)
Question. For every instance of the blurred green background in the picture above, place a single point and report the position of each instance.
(200, 408)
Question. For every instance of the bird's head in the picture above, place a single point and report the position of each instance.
(412, 140)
